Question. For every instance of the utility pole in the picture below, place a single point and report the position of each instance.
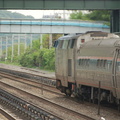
(50, 41)
(41, 41)
(6, 48)
(0, 46)
(18, 44)
(25, 43)
(12, 48)
(31, 40)
(64, 14)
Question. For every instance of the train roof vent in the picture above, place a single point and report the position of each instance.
(95, 33)
(99, 34)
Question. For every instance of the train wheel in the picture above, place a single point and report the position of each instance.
(68, 92)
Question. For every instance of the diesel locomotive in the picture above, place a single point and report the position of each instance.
(85, 60)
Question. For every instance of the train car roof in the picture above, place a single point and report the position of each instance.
(103, 43)
(68, 37)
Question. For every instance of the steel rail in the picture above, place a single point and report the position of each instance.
(7, 115)
(50, 103)
(39, 78)
(31, 83)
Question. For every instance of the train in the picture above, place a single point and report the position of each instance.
(88, 62)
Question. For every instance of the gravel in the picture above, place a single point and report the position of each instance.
(85, 108)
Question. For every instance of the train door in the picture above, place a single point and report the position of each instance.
(116, 73)
(71, 60)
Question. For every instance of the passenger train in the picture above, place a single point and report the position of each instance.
(85, 60)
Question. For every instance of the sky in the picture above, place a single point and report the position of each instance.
(38, 14)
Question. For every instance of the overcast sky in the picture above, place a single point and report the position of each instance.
(37, 14)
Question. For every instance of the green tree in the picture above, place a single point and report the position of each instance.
(36, 57)
(99, 15)
(76, 15)
(43, 58)
(28, 59)
(36, 44)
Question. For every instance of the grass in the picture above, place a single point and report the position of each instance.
(17, 64)
(10, 63)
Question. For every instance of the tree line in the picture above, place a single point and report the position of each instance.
(95, 15)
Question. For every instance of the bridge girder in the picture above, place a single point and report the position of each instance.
(60, 4)
(115, 21)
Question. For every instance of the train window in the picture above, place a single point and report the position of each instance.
(62, 41)
(104, 63)
(82, 62)
(98, 63)
(71, 43)
(118, 62)
(79, 62)
(101, 63)
(87, 62)
(118, 67)
(65, 44)
(55, 44)
(109, 65)
(60, 44)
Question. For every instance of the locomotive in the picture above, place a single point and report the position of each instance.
(82, 61)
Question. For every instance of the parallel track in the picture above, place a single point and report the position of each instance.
(39, 78)
(44, 101)
(35, 83)
(32, 83)
(7, 115)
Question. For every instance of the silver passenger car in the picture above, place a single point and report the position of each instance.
(85, 60)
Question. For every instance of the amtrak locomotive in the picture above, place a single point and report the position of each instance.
(85, 60)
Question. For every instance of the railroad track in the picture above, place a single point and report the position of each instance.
(27, 109)
(38, 78)
(32, 83)
(7, 115)
(47, 102)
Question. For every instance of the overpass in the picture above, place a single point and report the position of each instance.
(60, 4)
(50, 26)
(113, 5)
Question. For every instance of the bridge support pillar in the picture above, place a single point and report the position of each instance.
(41, 41)
(115, 21)
(50, 41)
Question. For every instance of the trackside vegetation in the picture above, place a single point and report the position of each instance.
(33, 57)
(42, 58)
